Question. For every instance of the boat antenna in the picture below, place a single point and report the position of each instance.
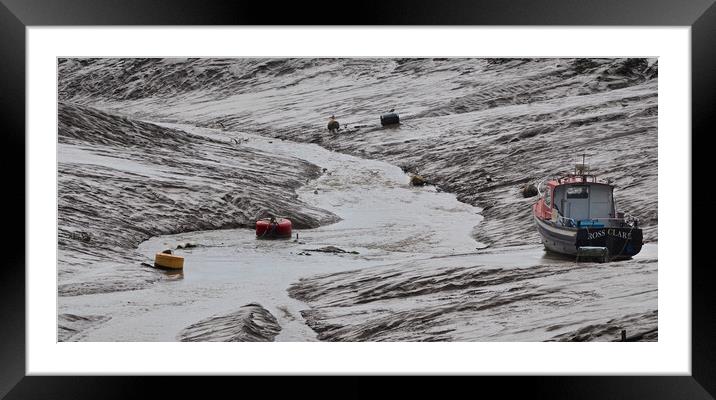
(584, 167)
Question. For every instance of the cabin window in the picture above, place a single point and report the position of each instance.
(548, 197)
(577, 192)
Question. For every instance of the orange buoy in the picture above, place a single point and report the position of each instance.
(268, 228)
(168, 261)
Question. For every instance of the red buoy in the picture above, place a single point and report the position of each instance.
(273, 228)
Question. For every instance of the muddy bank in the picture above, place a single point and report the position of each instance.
(117, 79)
(123, 181)
(521, 123)
(645, 323)
(224, 268)
(70, 327)
(479, 298)
(251, 323)
(480, 128)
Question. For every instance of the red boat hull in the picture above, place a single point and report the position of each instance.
(281, 229)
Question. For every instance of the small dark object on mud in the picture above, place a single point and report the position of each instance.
(167, 251)
(333, 125)
(487, 206)
(332, 249)
(390, 118)
(582, 65)
(529, 191)
(315, 191)
(325, 169)
(186, 246)
(631, 66)
(417, 180)
(488, 178)
(81, 236)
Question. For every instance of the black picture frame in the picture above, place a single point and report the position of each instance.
(16, 15)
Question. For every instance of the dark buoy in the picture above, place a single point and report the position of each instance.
(389, 118)
(417, 180)
(333, 125)
(529, 191)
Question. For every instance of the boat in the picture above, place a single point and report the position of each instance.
(273, 228)
(576, 215)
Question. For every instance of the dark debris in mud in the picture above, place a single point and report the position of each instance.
(332, 249)
(529, 191)
(417, 180)
(637, 327)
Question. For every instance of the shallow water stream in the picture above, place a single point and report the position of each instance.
(384, 220)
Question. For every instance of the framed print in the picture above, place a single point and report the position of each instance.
(460, 189)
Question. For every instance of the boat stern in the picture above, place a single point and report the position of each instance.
(621, 242)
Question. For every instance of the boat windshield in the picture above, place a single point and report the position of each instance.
(578, 192)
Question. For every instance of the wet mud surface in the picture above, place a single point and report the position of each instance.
(251, 323)
(461, 300)
(154, 153)
(123, 181)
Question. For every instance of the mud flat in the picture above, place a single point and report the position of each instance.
(123, 181)
(521, 295)
(480, 128)
(411, 266)
(383, 221)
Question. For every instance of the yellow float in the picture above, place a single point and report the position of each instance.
(168, 261)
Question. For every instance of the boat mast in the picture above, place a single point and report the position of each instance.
(583, 169)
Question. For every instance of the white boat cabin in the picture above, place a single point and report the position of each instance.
(579, 201)
(585, 201)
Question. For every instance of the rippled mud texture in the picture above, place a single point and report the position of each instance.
(71, 327)
(480, 128)
(612, 330)
(427, 301)
(123, 181)
(251, 323)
